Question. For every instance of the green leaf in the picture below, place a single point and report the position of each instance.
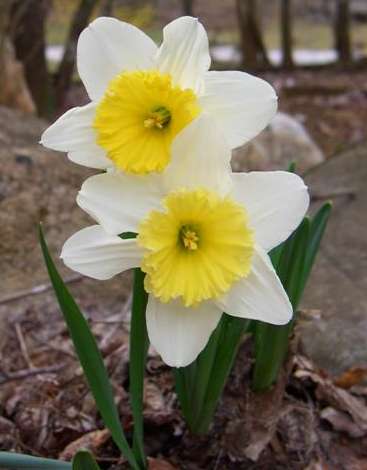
(271, 341)
(18, 461)
(231, 330)
(292, 167)
(293, 262)
(317, 230)
(296, 254)
(89, 356)
(138, 352)
(84, 460)
(199, 385)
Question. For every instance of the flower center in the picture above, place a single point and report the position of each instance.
(188, 237)
(138, 118)
(196, 247)
(159, 118)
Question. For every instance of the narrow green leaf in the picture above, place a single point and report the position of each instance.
(293, 267)
(293, 283)
(138, 352)
(89, 356)
(18, 461)
(192, 380)
(183, 394)
(276, 254)
(292, 167)
(230, 331)
(84, 460)
(271, 341)
(317, 230)
(204, 368)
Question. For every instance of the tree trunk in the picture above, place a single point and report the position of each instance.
(65, 72)
(252, 45)
(107, 8)
(342, 31)
(27, 31)
(188, 7)
(286, 28)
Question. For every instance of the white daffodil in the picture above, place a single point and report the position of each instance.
(143, 96)
(202, 240)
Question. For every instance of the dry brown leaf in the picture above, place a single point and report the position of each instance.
(160, 464)
(250, 433)
(351, 377)
(341, 422)
(328, 392)
(91, 441)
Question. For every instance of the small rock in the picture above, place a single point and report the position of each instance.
(284, 141)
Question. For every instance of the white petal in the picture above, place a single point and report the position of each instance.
(118, 201)
(200, 158)
(73, 133)
(179, 333)
(242, 104)
(259, 296)
(184, 52)
(106, 48)
(276, 202)
(94, 253)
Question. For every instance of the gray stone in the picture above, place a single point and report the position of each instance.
(285, 140)
(338, 284)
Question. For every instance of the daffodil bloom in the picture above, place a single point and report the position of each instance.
(202, 240)
(142, 96)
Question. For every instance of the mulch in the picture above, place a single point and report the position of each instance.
(308, 420)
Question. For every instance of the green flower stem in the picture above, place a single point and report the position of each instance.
(139, 344)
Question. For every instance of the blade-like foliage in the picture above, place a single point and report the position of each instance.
(293, 261)
(89, 356)
(18, 461)
(84, 460)
(200, 384)
(138, 352)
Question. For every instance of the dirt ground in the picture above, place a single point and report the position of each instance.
(332, 104)
(307, 420)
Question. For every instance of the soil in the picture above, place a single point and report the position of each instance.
(330, 103)
(307, 420)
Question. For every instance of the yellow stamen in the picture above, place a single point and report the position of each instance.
(138, 118)
(196, 247)
(189, 238)
(158, 118)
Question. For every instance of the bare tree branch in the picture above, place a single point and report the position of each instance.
(66, 69)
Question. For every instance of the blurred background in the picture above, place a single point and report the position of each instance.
(314, 52)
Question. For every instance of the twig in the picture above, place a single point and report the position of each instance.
(40, 289)
(23, 346)
(25, 373)
(337, 193)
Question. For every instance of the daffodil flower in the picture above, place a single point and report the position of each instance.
(202, 240)
(143, 96)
